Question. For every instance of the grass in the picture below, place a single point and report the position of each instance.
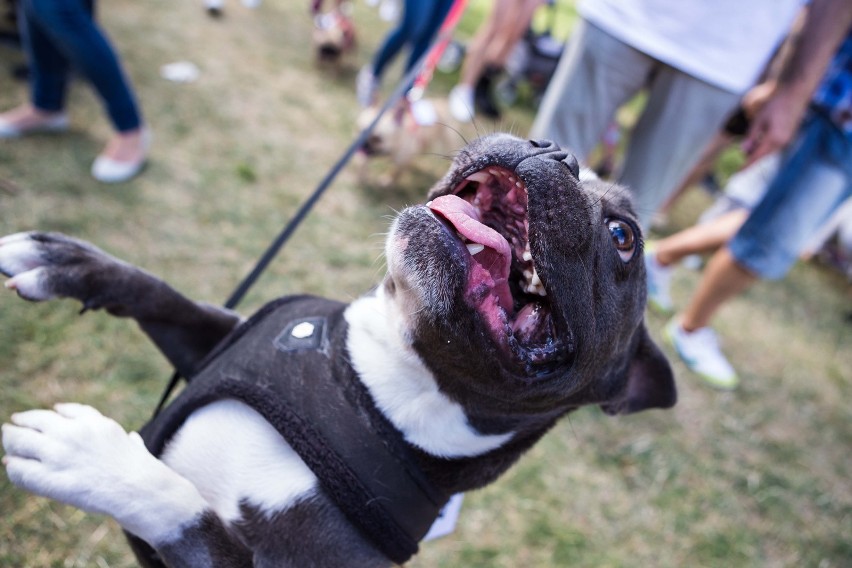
(758, 477)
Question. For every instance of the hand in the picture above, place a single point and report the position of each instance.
(774, 125)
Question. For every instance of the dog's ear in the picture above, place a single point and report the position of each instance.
(650, 381)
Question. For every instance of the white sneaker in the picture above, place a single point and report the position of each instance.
(366, 85)
(461, 103)
(659, 284)
(700, 351)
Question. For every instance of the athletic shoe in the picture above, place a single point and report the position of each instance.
(461, 103)
(700, 351)
(659, 284)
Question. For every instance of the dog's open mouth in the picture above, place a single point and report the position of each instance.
(488, 211)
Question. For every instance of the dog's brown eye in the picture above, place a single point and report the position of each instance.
(623, 237)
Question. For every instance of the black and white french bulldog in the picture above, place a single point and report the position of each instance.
(324, 434)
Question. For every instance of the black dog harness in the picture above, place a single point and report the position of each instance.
(289, 363)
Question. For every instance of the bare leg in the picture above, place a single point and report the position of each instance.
(723, 279)
(701, 238)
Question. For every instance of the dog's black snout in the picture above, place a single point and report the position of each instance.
(572, 164)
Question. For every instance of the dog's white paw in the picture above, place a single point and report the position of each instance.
(21, 258)
(77, 456)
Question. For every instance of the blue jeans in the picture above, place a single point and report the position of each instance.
(421, 20)
(60, 34)
(813, 179)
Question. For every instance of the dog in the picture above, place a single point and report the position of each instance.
(333, 35)
(407, 131)
(318, 433)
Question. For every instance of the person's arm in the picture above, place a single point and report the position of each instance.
(775, 124)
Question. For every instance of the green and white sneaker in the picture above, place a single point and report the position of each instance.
(659, 284)
(700, 351)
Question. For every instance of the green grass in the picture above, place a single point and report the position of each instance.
(757, 477)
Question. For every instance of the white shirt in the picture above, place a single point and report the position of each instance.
(726, 43)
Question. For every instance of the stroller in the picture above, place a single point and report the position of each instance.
(533, 61)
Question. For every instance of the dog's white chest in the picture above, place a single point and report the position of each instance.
(232, 455)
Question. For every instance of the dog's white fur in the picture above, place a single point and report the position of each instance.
(405, 391)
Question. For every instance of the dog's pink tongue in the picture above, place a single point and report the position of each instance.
(497, 256)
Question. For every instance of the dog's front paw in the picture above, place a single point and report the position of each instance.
(21, 259)
(76, 455)
(42, 266)
(72, 454)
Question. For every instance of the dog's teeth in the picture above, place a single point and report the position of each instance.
(479, 177)
(475, 248)
(531, 283)
(527, 256)
(519, 184)
(535, 280)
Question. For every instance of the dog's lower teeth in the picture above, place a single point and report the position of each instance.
(531, 283)
(475, 248)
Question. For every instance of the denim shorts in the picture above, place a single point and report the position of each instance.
(813, 180)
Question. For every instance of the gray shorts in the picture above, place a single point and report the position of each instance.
(595, 76)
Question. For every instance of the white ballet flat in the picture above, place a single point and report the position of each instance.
(57, 123)
(107, 170)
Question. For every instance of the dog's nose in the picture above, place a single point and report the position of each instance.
(573, 165)
(558, 154)
(544, 144)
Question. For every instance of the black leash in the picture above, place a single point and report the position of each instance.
(273, 249)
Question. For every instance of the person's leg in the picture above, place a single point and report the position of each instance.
(699, 239)
(49, 67)
(396, 38)
(705, 164)
(512, 21)
(428, 20)
(682, 114)
(48, 79)
(814, 178)
(70, 27)
(716, 226)
(723, 279)
(595, 76)
(474, 58)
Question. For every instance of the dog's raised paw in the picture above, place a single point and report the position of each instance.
(22, 260)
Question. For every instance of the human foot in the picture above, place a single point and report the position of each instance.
(27, 119)
(124, 156)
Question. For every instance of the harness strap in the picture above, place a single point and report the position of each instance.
(321, 408)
